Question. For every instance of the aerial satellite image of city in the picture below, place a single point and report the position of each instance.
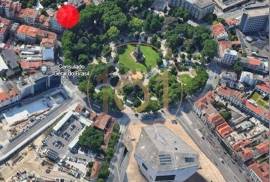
(134, 90)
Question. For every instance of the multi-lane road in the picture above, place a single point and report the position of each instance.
(209, 144)
(31, 133)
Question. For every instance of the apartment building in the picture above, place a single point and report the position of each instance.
(255, 19)
(28, 16)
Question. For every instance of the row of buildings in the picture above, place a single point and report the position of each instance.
(24, 50)
(13, 91)
(245, 135)
(13, 10)
(254, 20)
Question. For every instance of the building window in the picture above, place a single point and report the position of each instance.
(144, 166)
(165, 178)
(189, 159)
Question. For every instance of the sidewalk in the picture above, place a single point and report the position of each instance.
(208, 170)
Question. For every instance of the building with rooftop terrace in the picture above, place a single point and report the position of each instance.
(163, 156)
(259, 172)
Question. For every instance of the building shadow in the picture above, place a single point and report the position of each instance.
(196, 178)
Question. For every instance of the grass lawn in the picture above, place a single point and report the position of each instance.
(260, 101)
(186, 78)
(151, 57)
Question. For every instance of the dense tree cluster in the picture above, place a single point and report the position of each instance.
(107, 96)
(91, 138)
(108, 153)
(153, 23)
(28, 3)
(51, 4)
(98, 26)
(157, 86)
(179, 13)
(134, 94)
(191, 85)
(227, 115)
(136, 5)
(191, 38)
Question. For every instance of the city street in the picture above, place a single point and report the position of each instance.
(209, 145)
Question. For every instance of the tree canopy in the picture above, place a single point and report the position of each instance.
(91, 138)
(209, 48)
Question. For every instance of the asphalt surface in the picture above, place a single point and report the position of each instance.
(210, 145)
(32, 132)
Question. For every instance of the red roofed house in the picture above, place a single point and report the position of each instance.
(215, 119)
(255, 64)
(224, 129)
(264, 88)
(263, 148)
(28, 16)
(219, 31)
(246, 154)
(203, 102)
(240, 144)
(95, 169)
(259, 172)
(232, 95)
(103, 121)
(32, 35)
(258, 112)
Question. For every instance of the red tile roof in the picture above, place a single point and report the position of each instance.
(239, 144)
(227, 92)
(102, 121)
(218, 29)
(258, 110)
(254, 61)
(27, 30)
(46, 36)
(95, 169)
(247, 153)
(224, 129)
(207, 98)
(264, 87)
(261, 170)
(27, 12)
(216, 119)
(223, 46)
(263, 148)
(30, 65)
(6, 95)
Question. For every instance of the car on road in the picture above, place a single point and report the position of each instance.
(221, 160)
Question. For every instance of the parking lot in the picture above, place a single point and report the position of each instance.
(59, 141)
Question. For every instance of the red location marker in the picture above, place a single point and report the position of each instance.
(67, 16)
